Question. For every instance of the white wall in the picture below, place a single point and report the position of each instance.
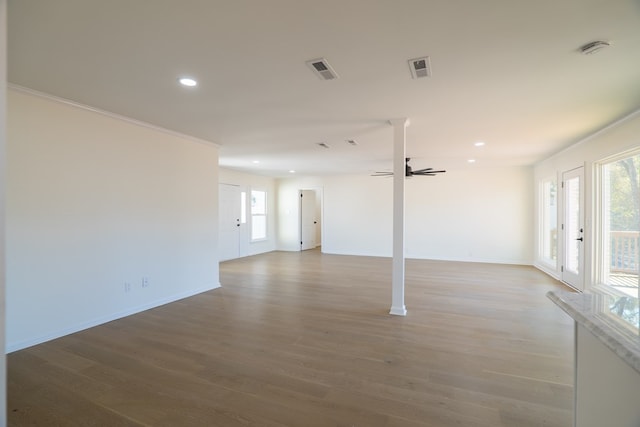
(358, 215)
(94, 201)
(621, 136)
(247, 182)
(474, 214)
(289, 210)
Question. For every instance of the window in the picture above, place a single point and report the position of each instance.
(549, 222)
(619, 223)
(258, 215)
(243, 207)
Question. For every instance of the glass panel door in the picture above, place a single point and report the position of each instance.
(573, 268)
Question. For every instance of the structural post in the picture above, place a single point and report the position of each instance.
(399, 141)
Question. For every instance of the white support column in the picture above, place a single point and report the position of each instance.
(399, 138)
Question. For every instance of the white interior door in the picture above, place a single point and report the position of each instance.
(229, 213)
(307, 219)
(573, 228)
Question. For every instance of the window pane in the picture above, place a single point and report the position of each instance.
(549, 241)
(243, 207)
(620, 219)
(258, 202)
(572, 189)
(258, 227)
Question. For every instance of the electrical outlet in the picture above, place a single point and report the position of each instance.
(127, 287)
(145, 281)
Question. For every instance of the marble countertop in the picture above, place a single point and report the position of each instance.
(605, 316)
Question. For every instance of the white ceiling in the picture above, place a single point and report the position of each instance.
(506, 72)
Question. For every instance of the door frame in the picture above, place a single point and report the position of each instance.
(243, 220)
(227, 194)
(574, 279)
(319, 213)
(304, 201)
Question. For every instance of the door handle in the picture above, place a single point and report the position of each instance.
(580, 238)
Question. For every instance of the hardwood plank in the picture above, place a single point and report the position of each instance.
(305, 339)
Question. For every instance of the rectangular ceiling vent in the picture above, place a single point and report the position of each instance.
(420, 67)
(322, 69)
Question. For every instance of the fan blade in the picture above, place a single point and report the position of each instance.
(428, 173)
(423, 170)
(382, 174)
(431, 171)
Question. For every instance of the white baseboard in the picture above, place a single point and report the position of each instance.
(15, 346)
(398, 311)
(436, 258)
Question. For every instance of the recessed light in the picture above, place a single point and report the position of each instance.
(471, 160)
(255, 162)
(479, 143)
(187, 81)
(292, 171)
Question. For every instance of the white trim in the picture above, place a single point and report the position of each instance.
(109, 114)
(541, 208)
(565, 274)
(526, 262)
(545, 268)
(398, 260)
(597, 133)
(599, 254)
(11, 347)
(266, 214)
(398, 311)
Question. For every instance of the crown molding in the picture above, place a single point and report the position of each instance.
(109, 114)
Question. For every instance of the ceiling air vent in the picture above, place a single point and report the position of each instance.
(420, 67)
(322, 69)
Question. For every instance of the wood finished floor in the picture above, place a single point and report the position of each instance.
(304, 339)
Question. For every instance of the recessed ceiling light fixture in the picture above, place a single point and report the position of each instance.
(479, 143)
(255, 162)
(187, 81)
(471, 160)
(292, 171)
(593, 47)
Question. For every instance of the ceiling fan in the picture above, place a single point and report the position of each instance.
(408, 171)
